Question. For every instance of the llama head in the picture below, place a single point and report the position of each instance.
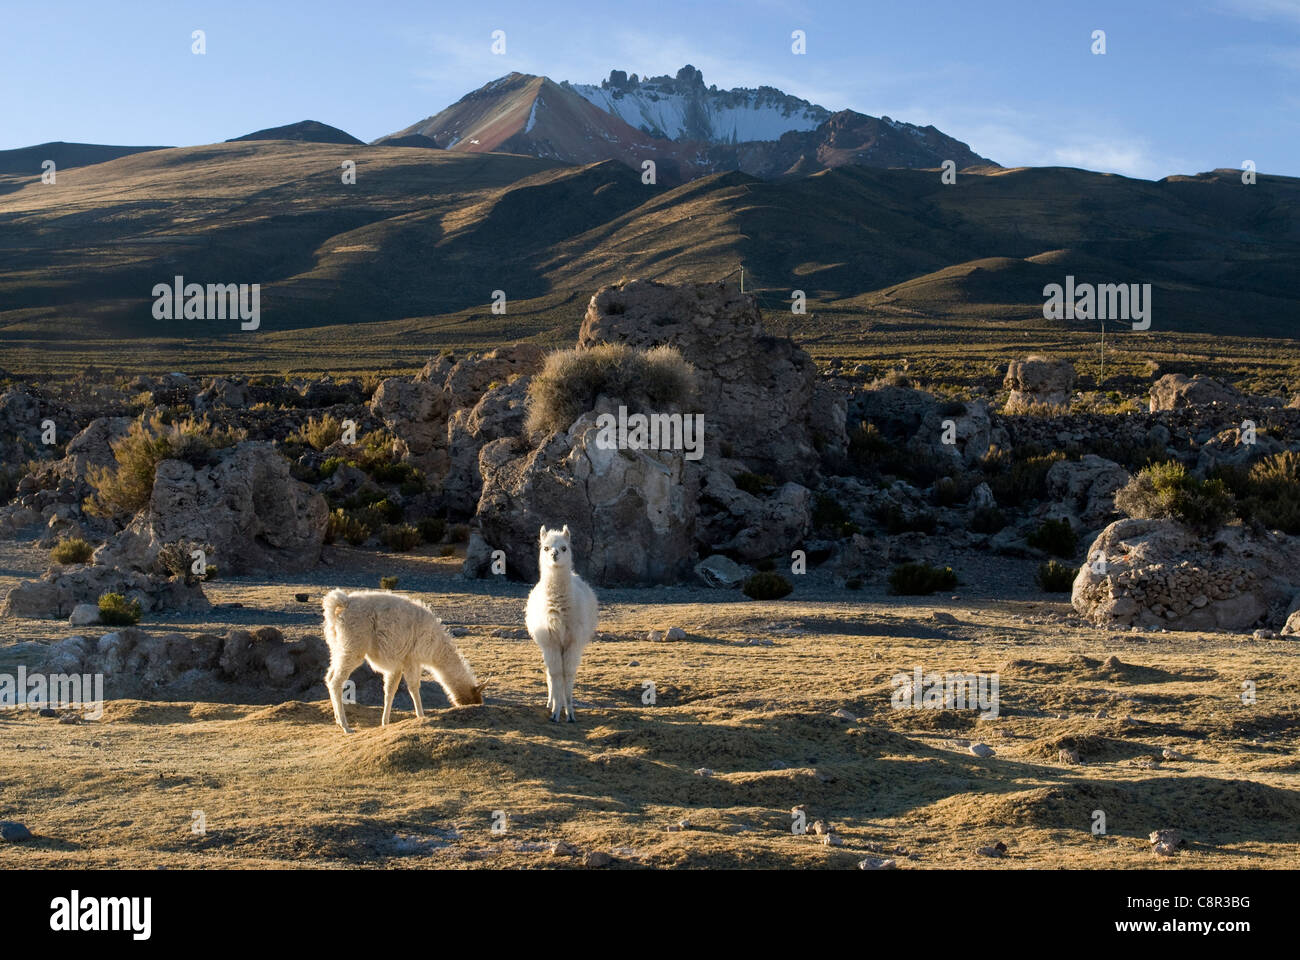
(473, 698)
(557, 548)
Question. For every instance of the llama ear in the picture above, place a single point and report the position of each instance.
(565, 531)
(542, 534)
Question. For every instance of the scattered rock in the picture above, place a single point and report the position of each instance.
(844, 715)
(597, 858)
(11, 831)
(876, 863)
(704, 772)
(722, 572)
(940, 616)
(998, 849)
(84, 614)
(562, 849)
(832, 840)
(674, 634)
(1166, 842)
(1068, 756)
(982, 750)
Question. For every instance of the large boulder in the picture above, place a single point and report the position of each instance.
(753, 527)
(417, 410)
(1236, 448)
(1039, 380)
(93, 446)
(60, 590)
(1176, 390)
(1158, 573)
(760, 394)
(246, 508)
(499, 413)
(631, 512)
(896, 411)
(960, 431)
(1086, 488)
(249, 665)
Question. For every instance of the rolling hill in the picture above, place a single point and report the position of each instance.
(420, 241)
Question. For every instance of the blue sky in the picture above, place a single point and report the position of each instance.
(1185, 85)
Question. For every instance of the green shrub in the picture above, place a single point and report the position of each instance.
(1018, 480)
(116, 612)
(1271, 496)
(432, 529)
(828, 512)
(124, 487)
(657, 380)
(1056, 537)
(1167, 490)
(896, 521)
(766, 585)
(332, 464)
(460, 533)
(399, 537)
(919, 579)
(176, 560)
(755, 484)
(320, 433)
(387, 583)
(1056, 577)
(988, 520)
(72, 550)
(345, 525)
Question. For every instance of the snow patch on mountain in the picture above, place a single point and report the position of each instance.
(682, 108)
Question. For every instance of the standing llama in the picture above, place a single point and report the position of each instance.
(561, 618)
(395, 636)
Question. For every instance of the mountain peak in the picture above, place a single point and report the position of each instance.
(688, 129)
(305, 131)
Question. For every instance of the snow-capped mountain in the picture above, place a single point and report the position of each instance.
(687, 129)
(683, 108)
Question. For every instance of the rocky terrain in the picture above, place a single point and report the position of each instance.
(1141, 552)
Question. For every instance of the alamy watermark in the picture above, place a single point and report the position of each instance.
(1102, 301)
(655, 431)
(952, 691)
(59, 690)
(215, 301)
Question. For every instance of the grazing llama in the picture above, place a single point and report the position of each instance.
(561, 618)
(395, 636)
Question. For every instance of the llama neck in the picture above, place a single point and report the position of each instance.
(556, 581)
(444, 659)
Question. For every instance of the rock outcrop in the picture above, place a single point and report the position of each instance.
(1157, 573)
(1039, 380)
(760, 395)
(631, 512)
(1176, 390)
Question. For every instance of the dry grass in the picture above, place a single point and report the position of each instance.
(280, 785)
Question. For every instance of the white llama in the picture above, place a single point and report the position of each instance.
(395, 636)
(561, 618)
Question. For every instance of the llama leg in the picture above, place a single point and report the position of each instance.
(554, 682)
(390, 691)
(335, 677)
(572, 657)
(412, 671)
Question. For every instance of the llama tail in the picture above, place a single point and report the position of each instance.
(335, 602)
